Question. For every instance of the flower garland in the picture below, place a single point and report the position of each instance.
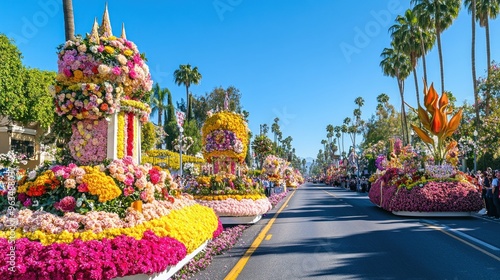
(138, 108)
(130, 134)
(121, 135)
(88, 141)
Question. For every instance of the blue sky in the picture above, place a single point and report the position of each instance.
(301, 61)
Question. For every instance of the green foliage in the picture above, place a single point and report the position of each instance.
(215, 100)
(172, 133)
(11, 80)
(38, 100)
(24, 93)
(262, 147)
(192, 130)
(383, 125)
(148, 136)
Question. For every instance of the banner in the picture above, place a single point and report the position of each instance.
(180, 118)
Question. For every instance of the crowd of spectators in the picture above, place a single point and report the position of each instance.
(489, 182)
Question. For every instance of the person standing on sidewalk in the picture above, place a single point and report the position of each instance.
(490, 207)
(494, 190)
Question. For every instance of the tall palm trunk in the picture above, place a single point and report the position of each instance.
(473, 60)
(69, 20)
(404, 126)
(424, 65)
(488, 64)
(160, 124)
(416, 85)
(187, 102)
(441, 66)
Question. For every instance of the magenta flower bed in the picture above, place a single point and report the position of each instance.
(432, 197)
(387, 193)
(90, 260)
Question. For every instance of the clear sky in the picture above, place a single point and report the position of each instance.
(301, 61)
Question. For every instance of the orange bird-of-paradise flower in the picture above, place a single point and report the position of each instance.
(434, 119)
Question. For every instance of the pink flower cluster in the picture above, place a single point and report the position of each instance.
(88, 101)
(105, 259)
(115, 59)
(144, 179)
(234, 208)
(88, 141)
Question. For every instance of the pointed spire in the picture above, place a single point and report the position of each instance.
(124, 35)
(94, 35)
(105, 29)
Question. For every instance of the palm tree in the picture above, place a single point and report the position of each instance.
(337, 130)
(187, 76)
(471, 7)
(159, 104)
(69, 20)
(484, 10)
(411, 39)
(275, 128)
(397, 65)
(438, 15)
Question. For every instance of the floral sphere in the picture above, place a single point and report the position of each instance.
(225, 134)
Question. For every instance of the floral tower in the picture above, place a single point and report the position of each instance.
(109, 219)
(225, 138)
(101, 87)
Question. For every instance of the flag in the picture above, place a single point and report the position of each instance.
(226, 102)
(180, 118)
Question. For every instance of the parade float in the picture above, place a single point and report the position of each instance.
(236, 198)
(102, 215)
(408, 183)
(274, 169)
(293, 178)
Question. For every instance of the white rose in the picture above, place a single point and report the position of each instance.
(82, 48)
(122, 59)
(103, 69)
(32, 175)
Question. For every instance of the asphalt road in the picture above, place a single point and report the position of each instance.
(324, 232)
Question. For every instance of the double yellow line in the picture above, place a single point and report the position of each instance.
(233, 274)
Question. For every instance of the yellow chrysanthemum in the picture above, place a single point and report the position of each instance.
(100, 184)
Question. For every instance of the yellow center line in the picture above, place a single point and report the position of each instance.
(463, 241)
(233, 274)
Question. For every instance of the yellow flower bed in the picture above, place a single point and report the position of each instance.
(183, 225)
(170, 158)
(228, 196)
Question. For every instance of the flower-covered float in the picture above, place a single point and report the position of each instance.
(102, 216)
(293, 178)
(414, 184)
(236, 198)
(274, 169)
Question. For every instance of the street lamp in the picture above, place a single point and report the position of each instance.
(475, 151)
(181, 130)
